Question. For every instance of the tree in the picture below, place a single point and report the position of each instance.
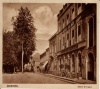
(25, 30)
(9, 54)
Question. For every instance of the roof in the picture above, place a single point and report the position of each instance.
(42, 55)
(47, 49)
(53, 36)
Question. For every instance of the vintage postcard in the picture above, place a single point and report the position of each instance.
(49, 44)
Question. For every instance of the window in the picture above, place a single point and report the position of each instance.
(79, 8)
(63, 23)
(73, 14)
(60, 44)
(91, 32)
(50, 49)
(59, 27)
(68, 41)
(63, 40)
(72, 10)
(79, 30)
(72, 39)
(79, 5)
(54, 47)
(68, 16)
(67, 36)
(79, 33)
(63, 20)
(72, 33)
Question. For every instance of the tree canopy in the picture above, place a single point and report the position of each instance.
(24, 27)
(23, 33)
(9, 51)
(25, 30)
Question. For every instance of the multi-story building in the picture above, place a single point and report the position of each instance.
(52, 47)
(76, 40)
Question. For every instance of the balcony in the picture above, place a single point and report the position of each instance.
(72, 48)
(69, 49)
(81, 44)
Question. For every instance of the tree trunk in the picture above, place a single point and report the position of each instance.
(14, 70)
(22, 57)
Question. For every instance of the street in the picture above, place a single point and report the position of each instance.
(31, 78)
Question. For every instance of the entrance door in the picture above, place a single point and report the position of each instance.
(90, 66)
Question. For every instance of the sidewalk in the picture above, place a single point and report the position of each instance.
(75, 80)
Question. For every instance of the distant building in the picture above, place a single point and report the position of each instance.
(74, 44)
(44, 57)
(36, 58)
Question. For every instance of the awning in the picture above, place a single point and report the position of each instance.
(45, 63)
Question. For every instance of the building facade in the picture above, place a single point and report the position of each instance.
(44, 58)
(75, 41)
(53, 53)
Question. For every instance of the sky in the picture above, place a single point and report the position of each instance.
(45, 20)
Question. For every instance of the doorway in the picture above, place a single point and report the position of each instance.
(90, 66)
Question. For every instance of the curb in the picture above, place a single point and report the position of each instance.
(62, 78)
(66, 79)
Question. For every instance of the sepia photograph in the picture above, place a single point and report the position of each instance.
(49, 43)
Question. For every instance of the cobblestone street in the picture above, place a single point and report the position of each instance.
(31, 78)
